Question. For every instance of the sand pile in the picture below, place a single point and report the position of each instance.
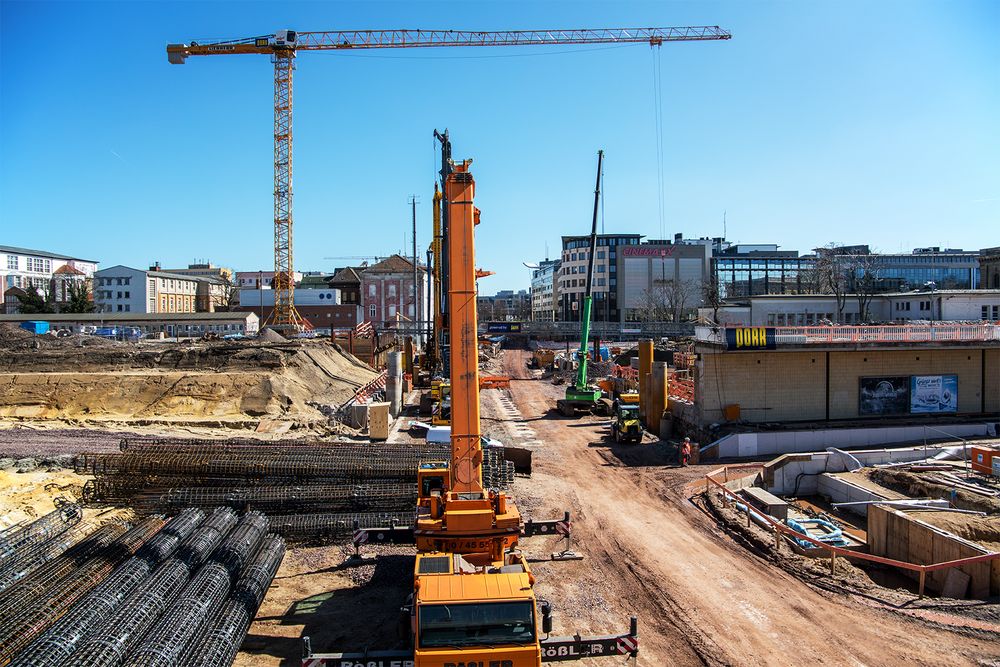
(216, 382)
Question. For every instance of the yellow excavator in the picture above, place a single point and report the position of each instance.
(473, 601)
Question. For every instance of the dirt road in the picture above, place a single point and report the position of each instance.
(701, 598)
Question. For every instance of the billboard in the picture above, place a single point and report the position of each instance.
(750, 338)
(884, 395)
(933, 393)
(504, 327)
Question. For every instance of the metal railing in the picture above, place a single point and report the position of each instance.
(900, 333)
(779, 529)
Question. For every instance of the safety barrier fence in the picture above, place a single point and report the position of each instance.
(778, 528)
(678, 387)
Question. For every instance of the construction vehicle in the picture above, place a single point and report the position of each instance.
(581, 396)
(626, 426)
(473, 601)
(283, 46)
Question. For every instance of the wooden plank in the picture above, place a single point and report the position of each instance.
(956, 583)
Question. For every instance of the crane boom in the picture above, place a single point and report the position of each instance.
(283, 46)
(387, 39)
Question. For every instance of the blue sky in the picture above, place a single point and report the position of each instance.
(841, 121)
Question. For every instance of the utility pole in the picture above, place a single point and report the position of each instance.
(416, 288)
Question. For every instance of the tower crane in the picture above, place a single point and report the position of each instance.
(284, 45)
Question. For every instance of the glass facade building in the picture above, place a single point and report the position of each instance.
(571, 280)
(948, 269)
(740, 272)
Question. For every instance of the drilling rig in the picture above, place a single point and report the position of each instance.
(473, 600)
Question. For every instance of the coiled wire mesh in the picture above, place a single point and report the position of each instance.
(195, 549)
(167, 642)
(29, 621)
(56, 646)
(217, 647)
(241, 544)
(109, 644)
(24, 547)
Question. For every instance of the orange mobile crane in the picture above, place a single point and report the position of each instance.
(473, 601)
(282, 47)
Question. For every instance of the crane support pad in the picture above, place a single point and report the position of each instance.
(554, 649)
(558, 649)
(391, 535)
(532, 527)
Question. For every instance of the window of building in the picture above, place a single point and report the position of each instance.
(371, 311)
(600, 268)
(996, 312)
(925, 305)
(986, 312)
(392, 310)
(119, 308)
(392, 290)
(600, 282)
(128, 308)
(600, 254)
(12, 262)
(371, 290)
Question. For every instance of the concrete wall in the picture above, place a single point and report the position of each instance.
(781, 474)
(841, 491)
(756, 445)
(768, 386)
(897, 534)
(847, 367)
(776, 386)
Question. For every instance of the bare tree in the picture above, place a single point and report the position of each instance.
(711, 295)
(680, 293)
(653, 304)
(866, 273)
(831, 275)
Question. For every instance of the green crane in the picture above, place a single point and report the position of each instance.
(580, 395)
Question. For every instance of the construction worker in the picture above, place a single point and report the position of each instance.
(685, 451)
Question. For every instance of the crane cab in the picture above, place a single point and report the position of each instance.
(285, 38)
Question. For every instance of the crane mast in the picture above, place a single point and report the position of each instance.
(282, 47)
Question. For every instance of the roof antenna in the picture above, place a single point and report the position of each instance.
(723, 224)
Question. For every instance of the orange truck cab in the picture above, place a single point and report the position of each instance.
(474, 614)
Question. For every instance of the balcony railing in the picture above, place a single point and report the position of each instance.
(902, 333)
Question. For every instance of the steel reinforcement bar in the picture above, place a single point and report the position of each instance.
(56, 646)
(334, 526)
(31, 621)
(20, 547)
(218, 646)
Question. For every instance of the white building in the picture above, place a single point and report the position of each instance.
(251, 298)
(543, 304)
(797, 310)
(250, 279)
(24, 268)
(122, 289)
(171, 325)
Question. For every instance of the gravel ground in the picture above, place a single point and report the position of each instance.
(19, 442)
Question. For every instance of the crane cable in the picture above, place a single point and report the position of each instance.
(658, 122)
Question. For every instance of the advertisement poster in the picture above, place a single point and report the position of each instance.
(503, 327)
(933, 393)
(884, 395)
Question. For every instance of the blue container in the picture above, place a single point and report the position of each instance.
(36, 327)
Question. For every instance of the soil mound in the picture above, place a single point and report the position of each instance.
(225, 381)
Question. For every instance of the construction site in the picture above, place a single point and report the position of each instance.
(434, 494)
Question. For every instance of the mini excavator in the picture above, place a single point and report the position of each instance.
(473, 602)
